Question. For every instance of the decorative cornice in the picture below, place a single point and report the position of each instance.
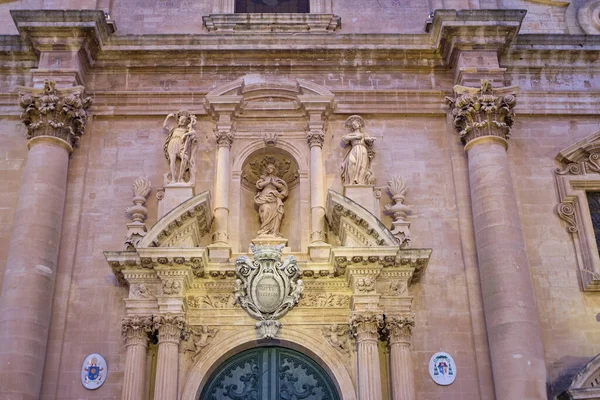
(366, 326)
(398, 328)
(243, 23)
(56, 113)
(482, 112)
(135, 330)
(171, 328)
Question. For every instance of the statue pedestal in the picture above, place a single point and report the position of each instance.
(174, 195)
(363, 195)
(271, 240)
(219, 252)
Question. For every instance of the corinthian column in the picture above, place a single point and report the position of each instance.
(55, 120)
(135, 333)
(220, 249)
(171, 330)
(399, 330)
(483, 117)
(365, 327)
(315, 138)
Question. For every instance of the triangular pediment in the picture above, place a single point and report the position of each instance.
(183, 226)
(581, 158)
(354, 225)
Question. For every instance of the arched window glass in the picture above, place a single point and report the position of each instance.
(272, 6)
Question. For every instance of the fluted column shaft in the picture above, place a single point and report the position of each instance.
(401, 373)
(29, 277)
(366, 330)
(221, 214)
(170, 331)
(483, 117)
(135, 332)
(317, 187)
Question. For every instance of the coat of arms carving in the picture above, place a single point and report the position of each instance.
(267, 288)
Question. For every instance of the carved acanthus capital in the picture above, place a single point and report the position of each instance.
(55, 113)
(135, 330)
(315, 137)
(399, 328)
(366, 326)
(224, 137)
(171, 328)
(482, 112)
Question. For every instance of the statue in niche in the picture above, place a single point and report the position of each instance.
(272, 191)
(180, 145)
(356, 167)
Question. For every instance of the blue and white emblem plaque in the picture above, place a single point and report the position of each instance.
(442, 368)
(93, 371)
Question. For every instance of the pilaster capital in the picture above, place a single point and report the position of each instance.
(399, 328)
(171, 328)
(479, 112)
(315, 137)
(50, 112)
(366, 326)
(224, 137)
(135, 330)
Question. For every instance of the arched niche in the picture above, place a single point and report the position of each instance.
(220, 350)
(247, 168)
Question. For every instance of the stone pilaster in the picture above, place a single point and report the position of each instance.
(399, 333)
(365, 328)
(55, 119)
(135, 331)
(483, 117)
(171, 330)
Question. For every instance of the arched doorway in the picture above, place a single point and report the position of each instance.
(269, 373)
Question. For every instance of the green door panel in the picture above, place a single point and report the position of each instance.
(269, 373)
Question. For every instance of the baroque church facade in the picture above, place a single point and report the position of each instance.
(300, 199)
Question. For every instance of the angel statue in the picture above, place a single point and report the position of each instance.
(181, 145)
(272, 190)
(356, 167)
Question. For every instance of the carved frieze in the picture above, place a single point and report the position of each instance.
(199, 338)
(482, 112)
(325, 300)
(338, 336)
(267, 288)
(171, 287)
(217, 300)
(57, 113)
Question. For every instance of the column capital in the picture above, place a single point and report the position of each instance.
(315, 137)
(135, 329)
(49, 112)
(171, 328)
(484, 111)
(399, 328)
(366, 326)
(224, 137)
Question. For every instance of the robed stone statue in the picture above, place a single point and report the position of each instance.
(272, 191)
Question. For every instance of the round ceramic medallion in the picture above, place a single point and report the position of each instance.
(93, 371)
(442, 368)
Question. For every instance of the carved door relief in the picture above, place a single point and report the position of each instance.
(269, 373)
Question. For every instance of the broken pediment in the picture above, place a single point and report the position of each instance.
(581, 157)
(586, 384)
(183, 226)
(354, 225)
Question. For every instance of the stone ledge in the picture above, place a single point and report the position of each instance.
(261, 23)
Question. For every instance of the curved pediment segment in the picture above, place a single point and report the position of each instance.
(581, 158)
(586, 384)
(354, 225)
(183, 226)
